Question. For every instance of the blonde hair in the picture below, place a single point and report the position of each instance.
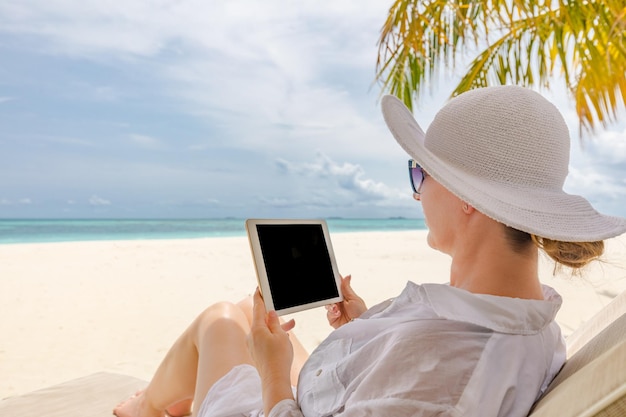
(574, 255)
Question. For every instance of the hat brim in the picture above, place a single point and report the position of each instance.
(550, 214)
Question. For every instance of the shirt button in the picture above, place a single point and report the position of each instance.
(318, 373)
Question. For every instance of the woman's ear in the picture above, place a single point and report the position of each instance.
(467, 208)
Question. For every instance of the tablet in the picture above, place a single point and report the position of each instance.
(295, 264)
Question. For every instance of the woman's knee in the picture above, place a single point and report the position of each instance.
(223, 312)
(246, 306)
(223, 322)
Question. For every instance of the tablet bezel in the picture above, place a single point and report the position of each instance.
(261, 272)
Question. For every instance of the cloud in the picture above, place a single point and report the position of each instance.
(146, 141)
(597, 170)
(609, 145)
(66, 140)
(18, 202)
(147, 28)
(315, 202)
(347, 176)
(287, 83)
(605, 192)
(592, 184)
(107, 93)
(199, 202)
(221, 85)
(94, 200)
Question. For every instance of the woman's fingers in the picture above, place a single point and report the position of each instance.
(333, 310)
(273, 322)
(270, 320)
(288, 325)
(346, 288)
(258, 309)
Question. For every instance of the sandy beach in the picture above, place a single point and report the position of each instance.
(71, 309)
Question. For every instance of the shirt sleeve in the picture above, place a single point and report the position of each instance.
(286, 408)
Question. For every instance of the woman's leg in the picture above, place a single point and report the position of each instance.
(210, 347)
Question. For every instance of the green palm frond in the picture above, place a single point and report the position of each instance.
(531, 43)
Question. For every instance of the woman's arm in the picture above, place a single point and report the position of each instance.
(272, 352)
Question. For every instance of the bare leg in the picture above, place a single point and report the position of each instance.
(185, 375)
(230, 331)
(300, 355)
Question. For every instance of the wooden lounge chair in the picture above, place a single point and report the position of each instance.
(91, 396)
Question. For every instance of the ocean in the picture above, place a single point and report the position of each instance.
(66, 230)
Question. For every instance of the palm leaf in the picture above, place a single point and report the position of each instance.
(531, 43)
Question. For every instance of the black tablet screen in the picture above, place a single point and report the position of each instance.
(297, 263)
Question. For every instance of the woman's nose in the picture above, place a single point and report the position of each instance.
(416, 196)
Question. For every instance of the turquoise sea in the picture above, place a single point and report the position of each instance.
(64, 230)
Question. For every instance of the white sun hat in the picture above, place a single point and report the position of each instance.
(504, 150)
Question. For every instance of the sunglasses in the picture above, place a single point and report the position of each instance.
(417, 175)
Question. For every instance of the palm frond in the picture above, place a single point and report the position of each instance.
(526, 42)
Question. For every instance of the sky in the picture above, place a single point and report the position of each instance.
(210, 109)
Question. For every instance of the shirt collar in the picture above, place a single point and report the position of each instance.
(501, 314)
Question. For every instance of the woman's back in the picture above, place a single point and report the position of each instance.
(437, 349)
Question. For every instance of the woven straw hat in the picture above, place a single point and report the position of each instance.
(504, 150)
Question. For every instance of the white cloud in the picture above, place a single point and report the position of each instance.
(610, 145)
(94, 200)
(299, 203)
(347, 176)
(271, 80)
(597, 169)
(5, 99)
(66, 141)
(592, 184)
(281, 67)
(147, 28)
(146, 141)
(107, 93)
(18, 202)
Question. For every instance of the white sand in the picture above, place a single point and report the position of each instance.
(71, 309)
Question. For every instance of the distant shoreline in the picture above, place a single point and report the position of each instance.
(18, 231)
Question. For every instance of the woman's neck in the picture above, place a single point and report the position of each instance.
(490, 266)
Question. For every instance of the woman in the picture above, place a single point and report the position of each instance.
(489, 174)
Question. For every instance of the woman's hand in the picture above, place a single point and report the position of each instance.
(272, 352)
(350, 308)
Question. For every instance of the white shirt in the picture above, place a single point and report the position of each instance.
(434, 350)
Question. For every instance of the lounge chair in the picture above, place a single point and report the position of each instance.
(593, 380)
(91, 396)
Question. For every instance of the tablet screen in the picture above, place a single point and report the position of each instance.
(297, 263)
